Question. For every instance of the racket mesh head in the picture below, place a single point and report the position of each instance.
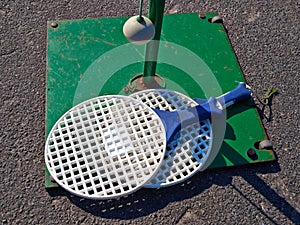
(185, 156)
(105, 147)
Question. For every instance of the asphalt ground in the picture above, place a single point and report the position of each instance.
(265, 37)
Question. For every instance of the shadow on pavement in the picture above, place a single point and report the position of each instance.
(147, 201)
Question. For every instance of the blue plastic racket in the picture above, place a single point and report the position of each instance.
(197, 144)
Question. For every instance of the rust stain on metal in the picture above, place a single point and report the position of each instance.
(110, 43)
(72, 59)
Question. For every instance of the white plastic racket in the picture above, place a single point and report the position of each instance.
(105, 147)
(196, 147)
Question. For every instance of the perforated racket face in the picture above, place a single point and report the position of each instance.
(185, 156)
(105, 147)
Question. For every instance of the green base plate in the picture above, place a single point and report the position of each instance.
(91, 57)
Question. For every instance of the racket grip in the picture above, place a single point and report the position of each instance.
(172, 121)
(240, 93)
(207, 109)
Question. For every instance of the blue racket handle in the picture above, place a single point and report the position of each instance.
(172, 120)
(240, 93)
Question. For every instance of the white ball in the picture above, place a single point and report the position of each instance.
(138, 32)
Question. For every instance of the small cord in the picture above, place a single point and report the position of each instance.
(269, 94)
(140, 17)
(271, 91)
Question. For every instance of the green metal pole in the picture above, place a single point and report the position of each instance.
(156, 12)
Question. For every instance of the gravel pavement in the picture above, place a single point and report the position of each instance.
(265, 37)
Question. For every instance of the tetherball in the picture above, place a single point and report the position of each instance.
(139, 30)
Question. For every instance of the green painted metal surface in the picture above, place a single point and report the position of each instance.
(91, 57)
